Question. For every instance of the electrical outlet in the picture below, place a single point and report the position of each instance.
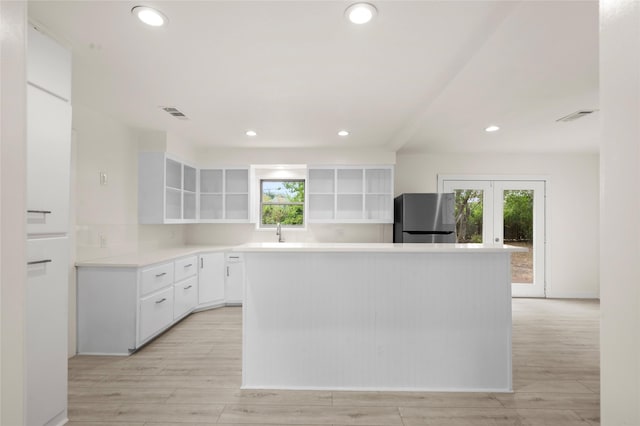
(103, 241)
(103, 178)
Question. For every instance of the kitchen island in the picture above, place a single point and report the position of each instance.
(428, 317)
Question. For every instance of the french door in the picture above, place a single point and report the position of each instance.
(504, 212)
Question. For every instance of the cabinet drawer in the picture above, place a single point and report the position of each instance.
(185, 297)
(156, 312)
(185, 268)
(156, 277)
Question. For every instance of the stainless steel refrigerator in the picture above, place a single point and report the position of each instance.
(424, 218)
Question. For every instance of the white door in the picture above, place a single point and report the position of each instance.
(505, 212)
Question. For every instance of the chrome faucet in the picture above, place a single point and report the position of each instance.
(279, 232)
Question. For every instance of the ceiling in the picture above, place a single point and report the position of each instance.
(424, 76)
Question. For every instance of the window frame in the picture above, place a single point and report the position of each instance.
(297, 203)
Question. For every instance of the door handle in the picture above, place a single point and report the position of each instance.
(227, 271)
(201, 263)
(38, 262)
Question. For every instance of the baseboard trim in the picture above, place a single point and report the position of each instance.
(562, 295)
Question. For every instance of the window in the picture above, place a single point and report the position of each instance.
(281, 201)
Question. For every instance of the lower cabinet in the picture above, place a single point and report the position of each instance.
(234, 278)
(156, 312)
(185, 297)
(46, 330)
(122, 308)
(211, 279)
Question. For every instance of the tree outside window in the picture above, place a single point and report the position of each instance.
(282, 201)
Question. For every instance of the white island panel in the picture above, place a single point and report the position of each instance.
(377, 320)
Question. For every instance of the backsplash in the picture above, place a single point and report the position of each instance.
(233, 234)
(97, 241)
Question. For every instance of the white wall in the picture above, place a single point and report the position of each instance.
(620, 226)
(572, 201)
(13, 184)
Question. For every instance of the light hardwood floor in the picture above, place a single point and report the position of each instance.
(191, 375)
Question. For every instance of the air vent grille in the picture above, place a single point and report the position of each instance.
(175, 112)
(576, 115)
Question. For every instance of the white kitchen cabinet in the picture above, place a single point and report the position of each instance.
(47, 217)
(167, 189)
(46, 336)
(350, 194)
(120, 308)
(234, 278)
(48, 65)
(48, 162)
(185, 297)
(211, 277)
(156, 312)
(224, 195)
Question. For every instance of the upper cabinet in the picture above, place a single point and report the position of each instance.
(48, 65)
(224, 195)
(167, 190)
(170, 191)
(350, 194)
(48, 135)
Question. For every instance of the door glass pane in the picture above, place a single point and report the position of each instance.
(518, 231)
(468, 211)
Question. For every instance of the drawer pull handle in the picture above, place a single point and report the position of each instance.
(39, 211)
(188, 287)
(161, 300)
(189, 265)
(234, 257)
(38, 262)
(161, 275)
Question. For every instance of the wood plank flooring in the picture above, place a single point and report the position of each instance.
(191, 375)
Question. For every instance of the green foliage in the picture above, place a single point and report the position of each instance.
(468, 212)
(283, 202)
(518, 215)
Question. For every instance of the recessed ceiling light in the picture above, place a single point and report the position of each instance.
(492, 128)
(360, 13)
(343, 133)
(251, 133)
(150, 16)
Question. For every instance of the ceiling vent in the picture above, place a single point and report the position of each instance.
(576, 115)
(175, 112)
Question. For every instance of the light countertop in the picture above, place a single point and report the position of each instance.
(378, 247)
(150, 257)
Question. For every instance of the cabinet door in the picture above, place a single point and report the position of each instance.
(234, 280)
(48, 162)
(156, 312)
(48, 64)
(46, 330)
(185, 297)
(211, 278)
